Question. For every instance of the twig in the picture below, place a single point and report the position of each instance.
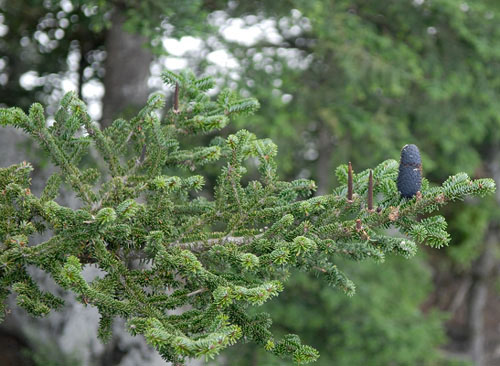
(349, 182)
(320, 269)
(199, 291)
(202, 244)
(176, 98)
(370, 191)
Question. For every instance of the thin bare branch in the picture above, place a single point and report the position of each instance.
(176, 98)
(349, 182)
(370, 191)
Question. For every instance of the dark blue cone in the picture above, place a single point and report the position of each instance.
(410, 171)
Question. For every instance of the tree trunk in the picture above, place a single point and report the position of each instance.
(479, 296)
(481, 275)
(127, 71)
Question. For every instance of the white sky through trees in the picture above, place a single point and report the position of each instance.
(179, 52)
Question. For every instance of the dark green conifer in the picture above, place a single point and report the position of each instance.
(163, 246)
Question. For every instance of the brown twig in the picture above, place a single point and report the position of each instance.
(349, 182)
(176, 98)
(370, 191)
(320, 269)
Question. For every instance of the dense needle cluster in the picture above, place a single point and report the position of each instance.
(163, 246)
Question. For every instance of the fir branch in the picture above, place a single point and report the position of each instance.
(217, 256)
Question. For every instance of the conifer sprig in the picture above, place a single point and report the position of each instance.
(163, 246)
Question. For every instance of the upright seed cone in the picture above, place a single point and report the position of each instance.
(410, 171)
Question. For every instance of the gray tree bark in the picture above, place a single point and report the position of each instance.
(127, 71)
(481, 275)
(478, 298)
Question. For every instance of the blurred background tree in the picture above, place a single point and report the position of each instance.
(337, 81)
(49, 47)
